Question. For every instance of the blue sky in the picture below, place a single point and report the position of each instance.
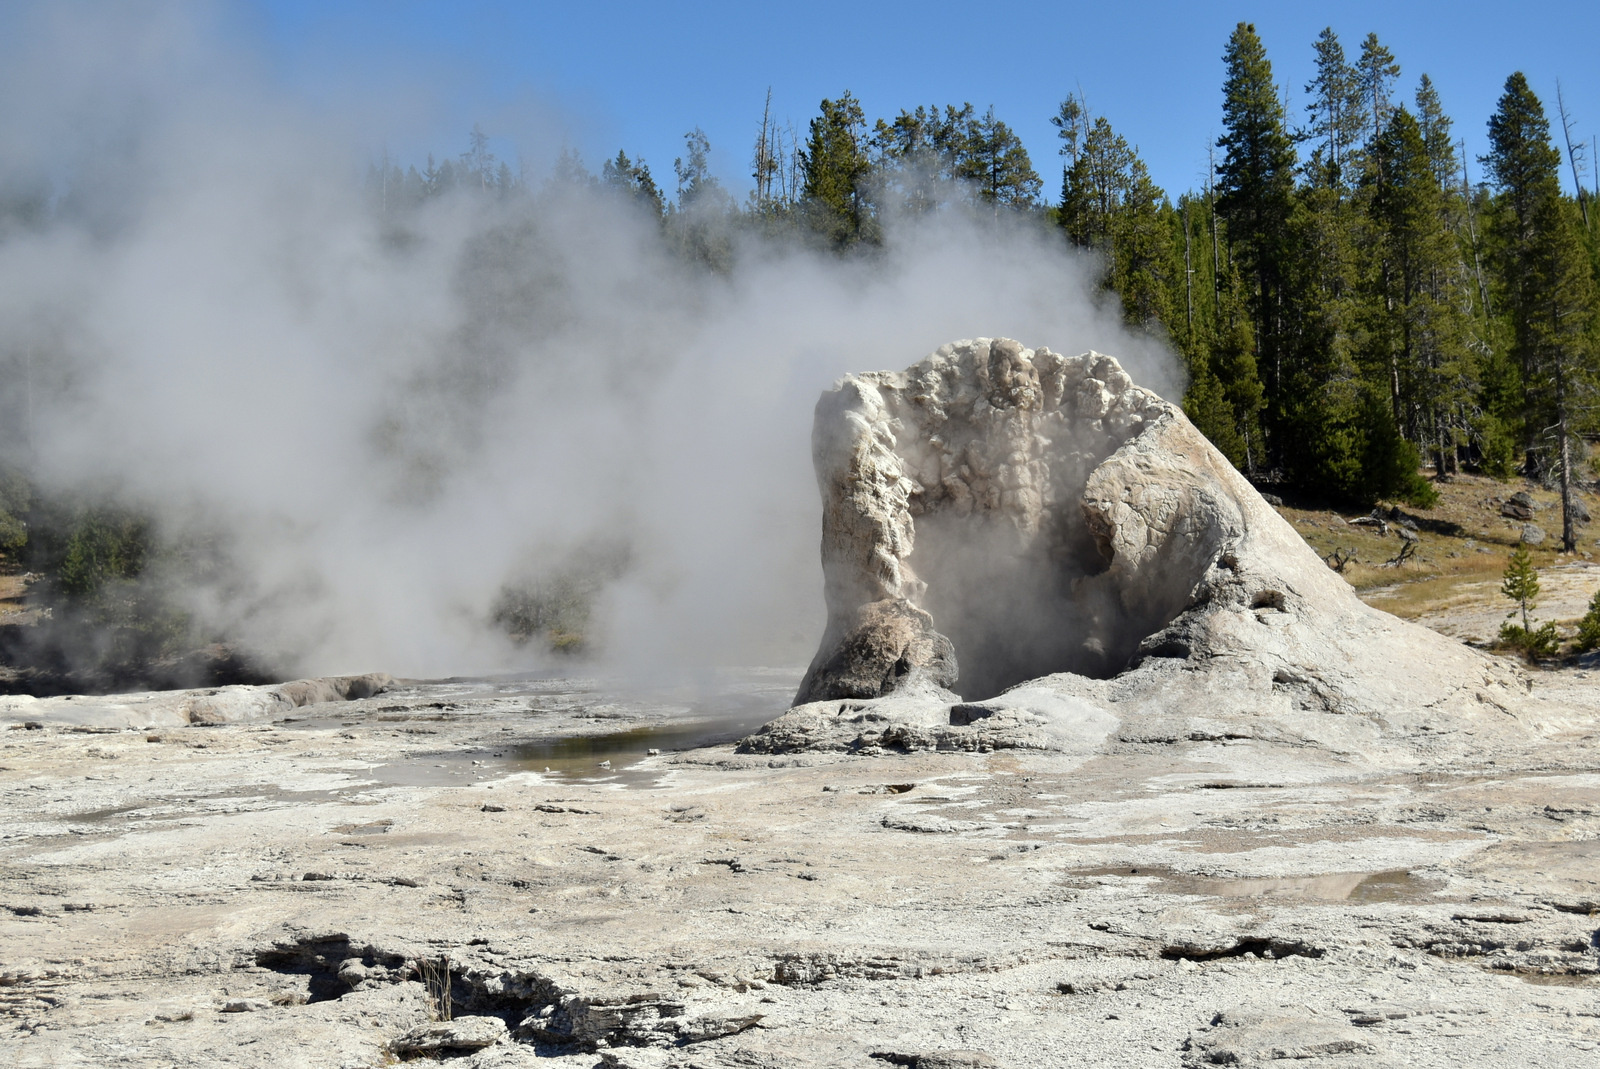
(608, 75)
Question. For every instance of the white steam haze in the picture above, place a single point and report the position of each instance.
(388, 420)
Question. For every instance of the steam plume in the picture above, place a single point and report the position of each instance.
(384, 419)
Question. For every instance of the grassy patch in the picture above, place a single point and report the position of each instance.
(1464, 548)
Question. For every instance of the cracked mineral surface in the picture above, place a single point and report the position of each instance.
(293, 891)
(1249, 821)
(248, 893)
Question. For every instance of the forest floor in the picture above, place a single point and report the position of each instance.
(13, 592)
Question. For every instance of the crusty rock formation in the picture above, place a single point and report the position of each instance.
(1051, 518)
(176, 708)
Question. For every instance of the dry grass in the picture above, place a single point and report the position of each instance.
(435, 976)
(1465, 544)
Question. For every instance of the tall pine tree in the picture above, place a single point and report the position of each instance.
(835, 166)
(1256, 187)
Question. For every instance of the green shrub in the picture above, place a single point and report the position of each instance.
(554, 604)
(1542, 641)
(1589, 626)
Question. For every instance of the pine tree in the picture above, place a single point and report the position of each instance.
(1376, 71)
(633, 179)
(698, 224)
(697, 186)
(1520, 583)
(569, 170)
(1335, 109)
(1096, 185)
(835, 166)
(1521, 165)
(1548, 282)
(1437, 136)
(1213, 333)
(477, 163)
(993, 159)
(1419, 327)
(1562, 334)
(1256, 186)
(1589, 626)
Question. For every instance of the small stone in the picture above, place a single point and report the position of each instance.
(699, 1029)
(955, 1059)
(1532, 534)
(490, 808)
(245, 1005)
(463, 1033)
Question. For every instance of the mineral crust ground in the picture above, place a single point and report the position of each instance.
(294, 891)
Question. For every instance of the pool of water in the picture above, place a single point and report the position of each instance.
(614, 739)
(1397, 885)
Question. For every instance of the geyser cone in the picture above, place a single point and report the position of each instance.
(1023, 514)
(960, 490)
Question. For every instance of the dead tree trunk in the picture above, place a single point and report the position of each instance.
(1188, 280)
(1472, 234)
(1569, 527)
(1572, 159)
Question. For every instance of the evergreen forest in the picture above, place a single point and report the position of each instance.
(1359, 306)
(1361, 310)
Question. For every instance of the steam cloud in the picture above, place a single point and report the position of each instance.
(388, 419)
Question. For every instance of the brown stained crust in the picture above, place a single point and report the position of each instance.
(887, 645)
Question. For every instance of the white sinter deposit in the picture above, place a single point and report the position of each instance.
(997, 515)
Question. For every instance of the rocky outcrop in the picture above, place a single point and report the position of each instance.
(175, 708)
(1052, 519)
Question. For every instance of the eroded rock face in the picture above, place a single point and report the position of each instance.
(970, 487)
(1052, 519)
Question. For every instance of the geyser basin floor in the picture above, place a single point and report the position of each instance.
(148, 886)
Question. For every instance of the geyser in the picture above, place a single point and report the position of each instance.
(968, 502)
(1030, 516)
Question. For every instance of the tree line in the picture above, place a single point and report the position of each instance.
(1355, 312)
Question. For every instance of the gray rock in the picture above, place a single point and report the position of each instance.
(939, 1059)
(699, 1029)
(1246, 1038)
(461, 1034)
(1532, 534)
(955, 1059)
(245, 1005)
(208, 706)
